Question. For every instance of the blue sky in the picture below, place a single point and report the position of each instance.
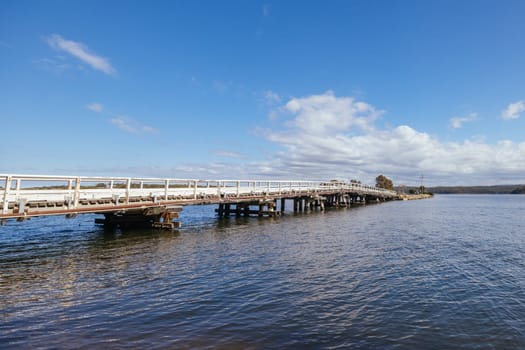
(265, 89)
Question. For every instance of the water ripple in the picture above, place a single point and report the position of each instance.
(442, 273)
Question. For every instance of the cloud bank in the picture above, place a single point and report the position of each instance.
(324, 136)
(328, 136)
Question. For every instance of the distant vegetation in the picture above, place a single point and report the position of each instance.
(384, 182)
(497, 189)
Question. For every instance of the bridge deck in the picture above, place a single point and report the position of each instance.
(25, 196)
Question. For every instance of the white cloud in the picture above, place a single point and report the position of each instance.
(80, 51)
(147, 129)
(195, 81)
(457, 122)
(220, 86)
(228, 154)
(95, 107)
(330, 136)
(325, 114)
(271, 97)
(513, 110)
(123, 122)
(129, 125)
(56, 64)
(266, 9)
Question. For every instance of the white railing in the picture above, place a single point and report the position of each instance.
(74, 189)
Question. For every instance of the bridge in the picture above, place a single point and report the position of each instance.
(156, 202)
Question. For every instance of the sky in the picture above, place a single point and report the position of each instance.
(288, 89)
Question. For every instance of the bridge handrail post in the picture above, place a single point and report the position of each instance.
(5, 205)
(238, 189)
(166, 189)
(128, 189)
(76, 194)
(195, 183)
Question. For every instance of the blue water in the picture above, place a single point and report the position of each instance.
(441, 273)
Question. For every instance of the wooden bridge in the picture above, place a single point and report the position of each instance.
(157, 202)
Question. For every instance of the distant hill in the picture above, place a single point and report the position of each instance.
(497, 189)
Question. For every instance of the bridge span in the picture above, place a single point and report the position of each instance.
(156, 202)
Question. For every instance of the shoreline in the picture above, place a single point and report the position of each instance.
(408, 197)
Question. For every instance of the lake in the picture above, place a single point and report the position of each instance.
(446, 272)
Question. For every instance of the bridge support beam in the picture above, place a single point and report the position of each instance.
(310, 203)
(264, 208)
(155, 217)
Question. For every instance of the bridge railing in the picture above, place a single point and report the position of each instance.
(74, 189)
